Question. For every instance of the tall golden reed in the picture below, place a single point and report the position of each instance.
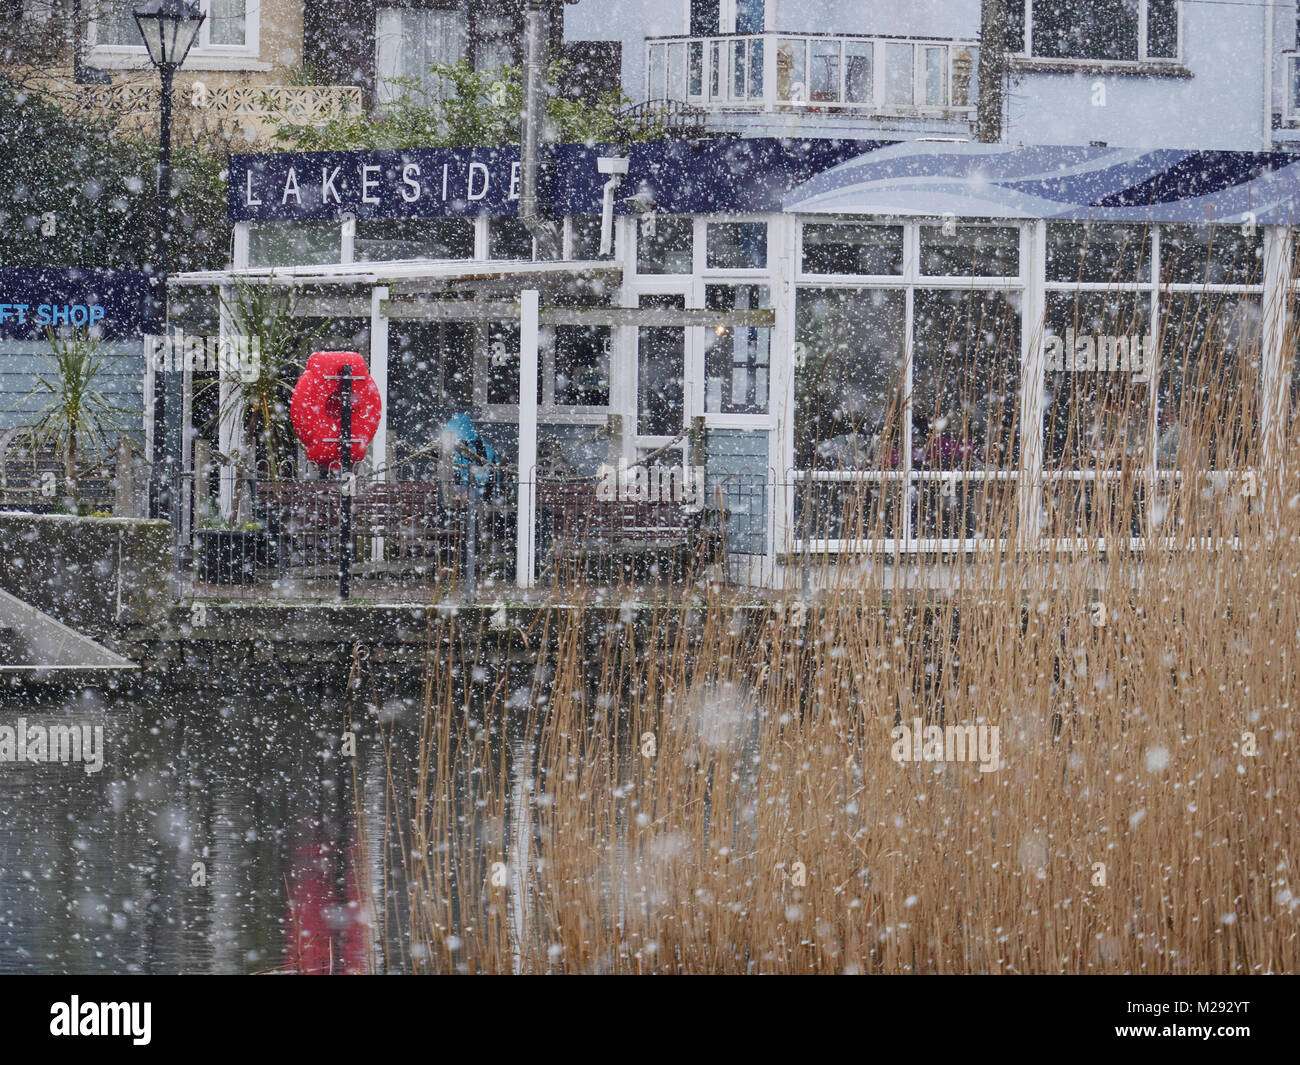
(705, 783)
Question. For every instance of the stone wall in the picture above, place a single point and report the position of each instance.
(97, 575)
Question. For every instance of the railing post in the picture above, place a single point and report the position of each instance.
(525, 528)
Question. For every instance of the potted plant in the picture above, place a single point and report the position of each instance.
(229, 553)
(76, 418)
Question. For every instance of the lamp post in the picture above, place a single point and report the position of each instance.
(169, 28)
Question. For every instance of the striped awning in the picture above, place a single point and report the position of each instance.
(1115, 184)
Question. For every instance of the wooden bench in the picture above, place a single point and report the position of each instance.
(305, 516)
(583, 526)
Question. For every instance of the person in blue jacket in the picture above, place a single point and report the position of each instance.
(471, 449)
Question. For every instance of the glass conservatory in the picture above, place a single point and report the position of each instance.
(924, 349)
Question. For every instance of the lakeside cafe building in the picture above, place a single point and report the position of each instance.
(807, 323)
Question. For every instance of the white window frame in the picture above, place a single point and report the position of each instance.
(726, 16)
(202, 56)
(1027, 52)
(909, 280)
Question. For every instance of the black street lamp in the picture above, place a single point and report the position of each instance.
(169, 28)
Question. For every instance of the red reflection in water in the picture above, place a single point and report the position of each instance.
(325, 930)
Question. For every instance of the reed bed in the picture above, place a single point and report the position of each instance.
(705, 784)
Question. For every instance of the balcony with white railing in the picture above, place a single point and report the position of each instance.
(791, 73)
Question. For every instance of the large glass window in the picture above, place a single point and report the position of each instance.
(849, 248)
(409, 42)
(1128, 30)
(582, 366)
(965, 380)
(737, 359)
(849, 378)
(225, 27)
(1099, 358)
(850, 405)
(1098, 365)
(908, 395)
(430, 378)
(1209, 369)
(661, 372)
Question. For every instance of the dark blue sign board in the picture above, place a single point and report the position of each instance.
(732, 174)
(727, 174)
(116, 303)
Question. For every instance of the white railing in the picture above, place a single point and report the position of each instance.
(783, 72)
(303, 102)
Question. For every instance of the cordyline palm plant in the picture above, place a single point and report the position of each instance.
(76, 414)
(265, 317)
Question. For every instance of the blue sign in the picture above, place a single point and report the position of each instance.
(727, 174)
(731, 174)
(412, 183)
(115, 303)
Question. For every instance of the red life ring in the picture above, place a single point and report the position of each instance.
(316, 410)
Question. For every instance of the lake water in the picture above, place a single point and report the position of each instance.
(220, 835)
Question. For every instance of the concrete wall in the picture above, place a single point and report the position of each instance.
(97, 575)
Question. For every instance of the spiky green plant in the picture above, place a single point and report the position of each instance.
(266, 316)
(76, 413)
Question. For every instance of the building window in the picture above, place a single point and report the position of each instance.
(661, 372)
(1151, 363)
(664, 246)
(294, 243)
(850, 248)
(387, 239)
(582, 366)
(750, 15)
(737, 359)
(409, 42)
(494, 42)
(736, 245)
(1113, 30)
(970, 251)
(227, 27)
(509, 238)
(706, 17)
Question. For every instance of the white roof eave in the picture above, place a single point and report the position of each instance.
(434, 270)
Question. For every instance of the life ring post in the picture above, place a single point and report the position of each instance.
(345, 476)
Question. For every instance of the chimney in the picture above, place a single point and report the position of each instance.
(537, 38)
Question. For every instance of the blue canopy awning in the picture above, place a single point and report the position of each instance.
(1115, 184)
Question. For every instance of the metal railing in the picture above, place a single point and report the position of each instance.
(896, 76)
(425, 541)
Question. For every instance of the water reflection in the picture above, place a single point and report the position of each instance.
(220, 835)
